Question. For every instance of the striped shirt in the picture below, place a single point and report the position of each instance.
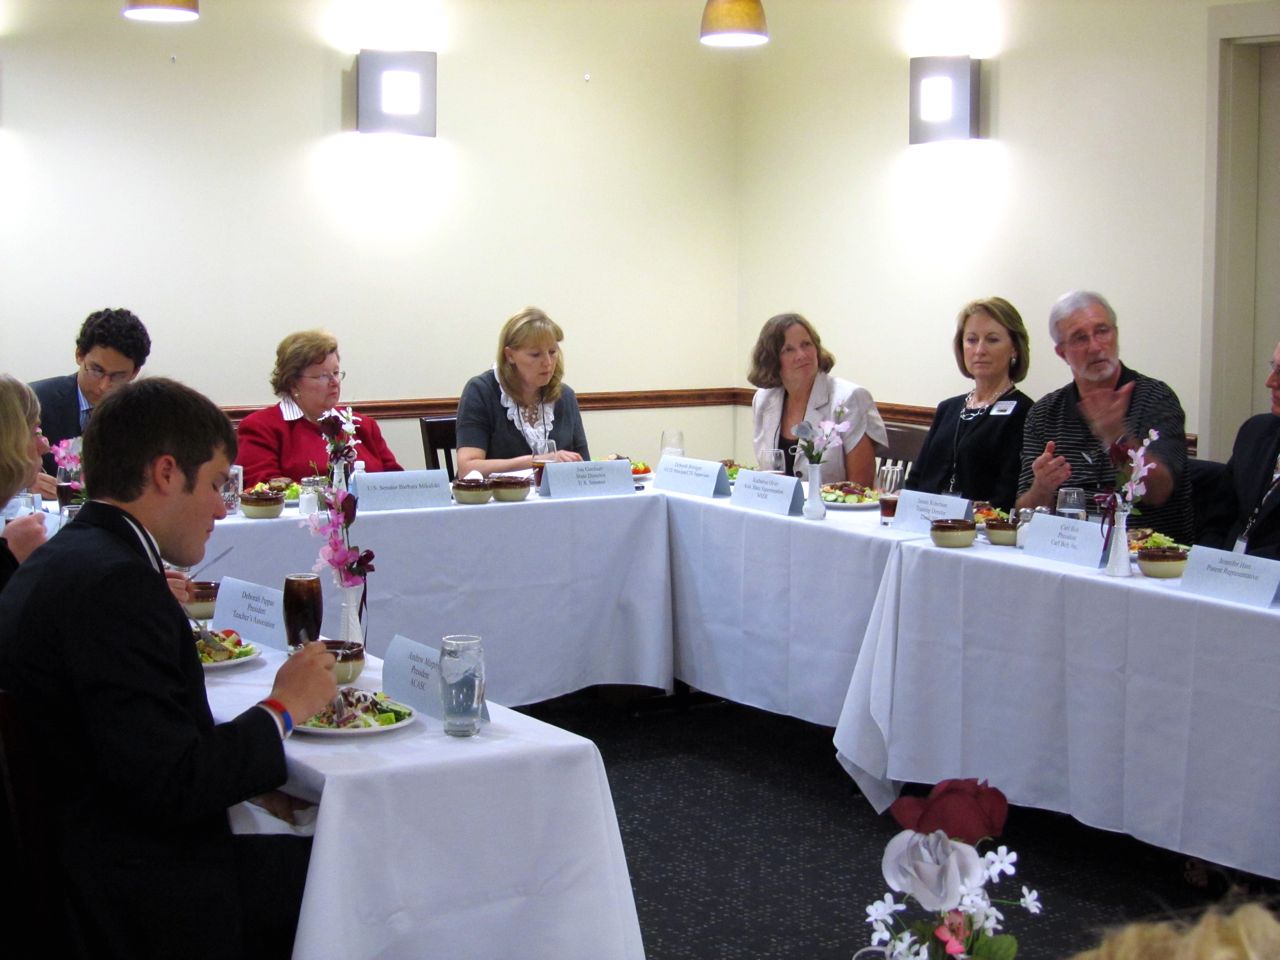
(1152, 406)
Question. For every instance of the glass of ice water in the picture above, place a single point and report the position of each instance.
(461, 684)
(1071, 503)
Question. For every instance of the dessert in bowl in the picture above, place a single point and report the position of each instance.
(1002, 533)
(350, 659)
(1162, 563)
(953, 533)
(510, 489)
(204, 595)
(472, 491)
(262, 505)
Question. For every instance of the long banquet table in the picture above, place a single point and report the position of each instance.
(1127, 703)
(504, 844)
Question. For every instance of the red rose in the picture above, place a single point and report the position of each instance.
(964, 810)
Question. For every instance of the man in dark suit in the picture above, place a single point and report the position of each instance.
(95, 648)
(1246, 509)
(110, 350)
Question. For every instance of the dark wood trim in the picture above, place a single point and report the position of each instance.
(623, 400)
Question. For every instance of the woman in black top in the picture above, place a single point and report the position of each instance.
(973, 446)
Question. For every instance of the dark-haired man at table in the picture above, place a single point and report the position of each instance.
(1245, 512)
(1081, 434)
(95, 646)
(111, 348)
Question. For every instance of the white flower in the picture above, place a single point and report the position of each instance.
(880, 934)
(1030, 901)
(883, 910)
(1001, 861)
(933, 869)
(904, 947)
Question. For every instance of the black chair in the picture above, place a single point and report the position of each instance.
(439, 437)
(1204, 477)
(36, 915)
(905, 443)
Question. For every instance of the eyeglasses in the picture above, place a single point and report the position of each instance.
(97, 373)
(1082, 339)
(336, 377)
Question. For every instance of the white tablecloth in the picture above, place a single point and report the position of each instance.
(770, 611)
(1124, 702)
(504, 844)
(565, 594)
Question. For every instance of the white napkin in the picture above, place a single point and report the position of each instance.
(248, 817)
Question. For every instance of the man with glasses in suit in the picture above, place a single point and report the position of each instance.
(110, 350)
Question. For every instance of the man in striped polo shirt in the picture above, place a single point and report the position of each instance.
(1079, 434)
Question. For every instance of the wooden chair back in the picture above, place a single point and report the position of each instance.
(439, 441)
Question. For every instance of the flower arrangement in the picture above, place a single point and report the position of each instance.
(351, 566)
(1131, 486)
(815, 440)
(1132, 474)
(339, 429)
(948, 878)
(66, 454)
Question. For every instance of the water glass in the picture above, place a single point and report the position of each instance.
(1071, 503)
(461, 684)
(771, 461)
(673, 443)
(889, 478)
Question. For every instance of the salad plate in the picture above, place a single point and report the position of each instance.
(249, 657)
(367, 705)
(841, 505)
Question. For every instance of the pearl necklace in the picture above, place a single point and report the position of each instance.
(973, 403)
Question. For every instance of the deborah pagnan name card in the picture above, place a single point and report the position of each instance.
(251, 610)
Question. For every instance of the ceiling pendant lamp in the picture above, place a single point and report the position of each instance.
(162, 11)
(734, 23)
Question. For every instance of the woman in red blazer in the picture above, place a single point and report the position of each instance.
(283, 440)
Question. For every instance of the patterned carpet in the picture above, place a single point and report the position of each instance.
(746, 840)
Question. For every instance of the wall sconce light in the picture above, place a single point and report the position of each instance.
(162, 11)
(734, 23)
(396, 92)
(944, 98)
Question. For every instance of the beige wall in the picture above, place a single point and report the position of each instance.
(661, 211)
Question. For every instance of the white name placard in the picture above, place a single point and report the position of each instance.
(1231, 576)
(917, 511)
(768, 493)
(251, 610)
(402, 490)
(702, 478)
(411, 674)
(1068, 541)
(587, 478)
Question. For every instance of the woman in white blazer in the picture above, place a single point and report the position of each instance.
(792, 370)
